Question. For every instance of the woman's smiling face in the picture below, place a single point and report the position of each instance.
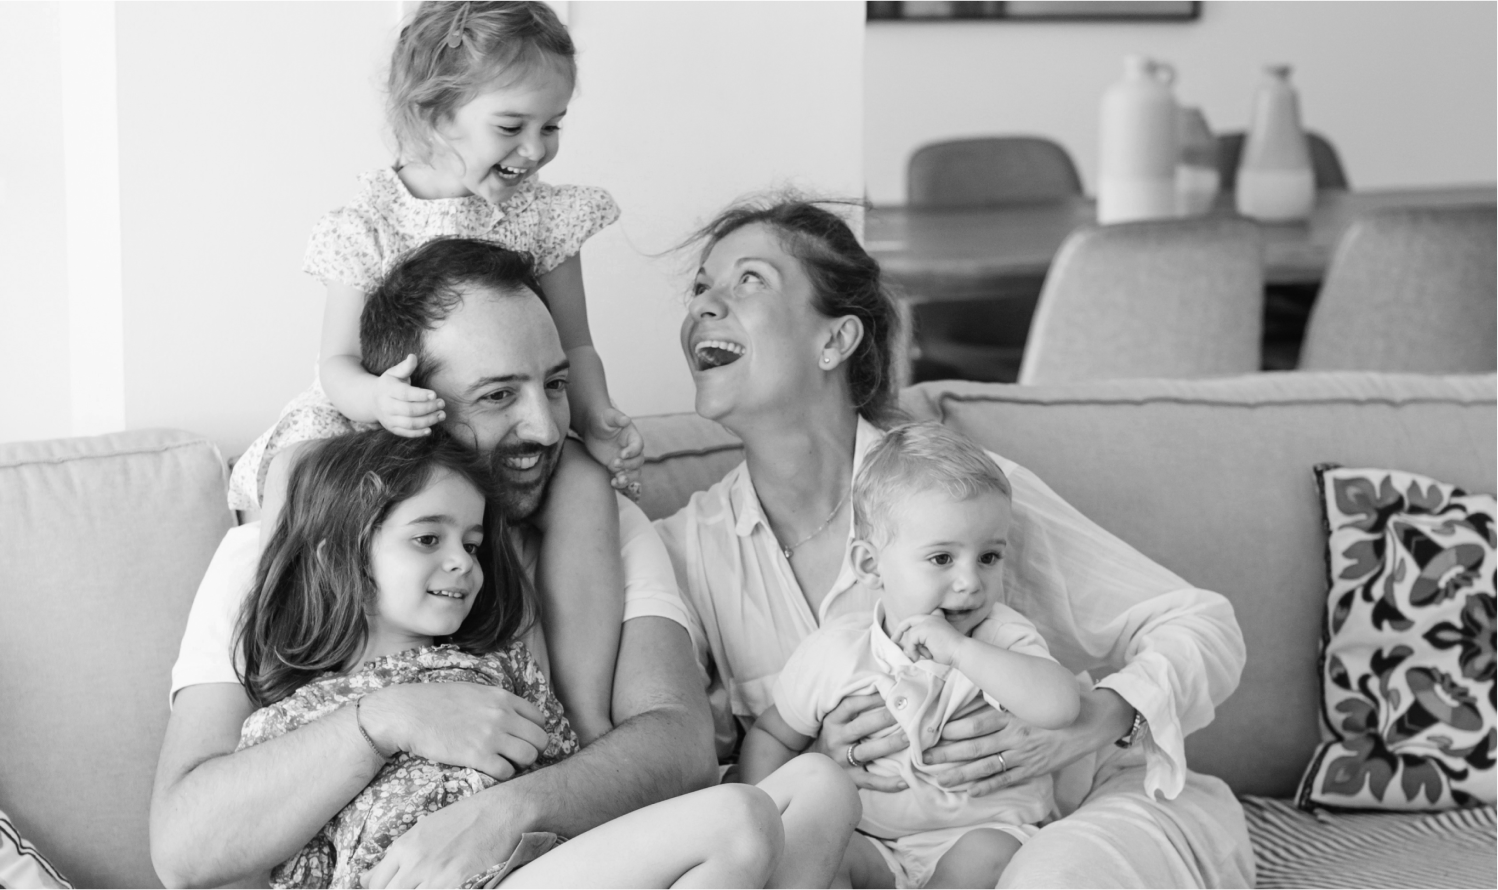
(751, 335)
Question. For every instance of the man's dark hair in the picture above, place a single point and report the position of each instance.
(423, 288)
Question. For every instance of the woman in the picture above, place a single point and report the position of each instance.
(791, 339)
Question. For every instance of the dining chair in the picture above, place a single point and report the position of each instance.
(1409, 290)
(1326, 165)
(988, 171)
(1163, 298)
(982, 338)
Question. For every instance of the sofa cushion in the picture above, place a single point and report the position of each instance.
(1293, 848)
(684, 454)
(23, 865)
(1407, 651)
(102, 543)
(1212, 478)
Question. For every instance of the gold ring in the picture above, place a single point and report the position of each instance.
(1003, 767)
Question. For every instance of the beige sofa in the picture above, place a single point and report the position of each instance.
(102, 542)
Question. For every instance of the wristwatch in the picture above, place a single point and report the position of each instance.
(1137, 732)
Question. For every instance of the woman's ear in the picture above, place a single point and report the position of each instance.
(845, 335)
(865, 560)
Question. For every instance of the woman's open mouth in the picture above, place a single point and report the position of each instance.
(509, 174)
(716, 353)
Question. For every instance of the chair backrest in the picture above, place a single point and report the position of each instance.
(1409, 290)
(988, 171)
(1164, 298)
(1326, 165)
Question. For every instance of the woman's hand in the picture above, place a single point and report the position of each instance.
(404, 409)
(465, 724)
(445, 848)
(997, 749)
(851, 724)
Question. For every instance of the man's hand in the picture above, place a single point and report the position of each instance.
(851, 723)
(465, 724)
(445, 848)
(404, 409)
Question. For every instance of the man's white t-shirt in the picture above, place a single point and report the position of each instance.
(208, 655)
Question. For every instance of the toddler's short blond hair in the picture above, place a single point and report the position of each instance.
(914, 458)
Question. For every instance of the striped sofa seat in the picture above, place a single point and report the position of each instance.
(1294, 848)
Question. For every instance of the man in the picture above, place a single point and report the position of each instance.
(487, 345)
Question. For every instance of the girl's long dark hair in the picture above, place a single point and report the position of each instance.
(307, 612)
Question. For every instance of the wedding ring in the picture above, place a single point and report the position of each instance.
(854, 761)
(1003, 767)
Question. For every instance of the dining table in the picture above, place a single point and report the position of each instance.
(937, 255)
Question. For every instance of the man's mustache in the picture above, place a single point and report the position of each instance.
(501, 453)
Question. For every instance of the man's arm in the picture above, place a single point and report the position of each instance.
(218, 815)
(217, 818)
(661, 746)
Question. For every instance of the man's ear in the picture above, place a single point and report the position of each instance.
(842, 339)
(865, 560)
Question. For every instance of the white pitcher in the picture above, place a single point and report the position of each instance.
(1137, 147)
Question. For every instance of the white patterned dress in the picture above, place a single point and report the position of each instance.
(358, 244)
(407, 787)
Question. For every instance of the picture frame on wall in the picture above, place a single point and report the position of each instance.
(1025, 10)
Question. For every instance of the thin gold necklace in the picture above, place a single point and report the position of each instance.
(819, 529)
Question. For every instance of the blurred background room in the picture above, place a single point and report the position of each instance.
(165, 162)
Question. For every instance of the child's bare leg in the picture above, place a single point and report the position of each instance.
(274, 496)
(976, 860)
(819, 808)
(863, 866)
(725, 836)
(581, 582)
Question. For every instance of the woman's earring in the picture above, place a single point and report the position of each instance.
(826, 359)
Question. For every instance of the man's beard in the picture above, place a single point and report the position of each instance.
(518, 501)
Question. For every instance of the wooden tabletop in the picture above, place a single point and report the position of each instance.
(960, 254)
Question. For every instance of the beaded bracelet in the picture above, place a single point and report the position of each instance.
(362, 731)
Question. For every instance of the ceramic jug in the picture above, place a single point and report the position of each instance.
(1275, 182)
(1137, 146)
(1197, 178)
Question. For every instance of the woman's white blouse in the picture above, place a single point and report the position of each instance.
(1174, 652)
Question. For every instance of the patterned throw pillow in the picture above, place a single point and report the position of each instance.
(1407, 664)
(20, 863)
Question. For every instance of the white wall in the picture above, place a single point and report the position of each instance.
(34, 350)
(1407, 91)
(681, 108)
(239, 124)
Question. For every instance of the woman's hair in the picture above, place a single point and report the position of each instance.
(914, 458)
(308, 610)
(845, 280)
(450, 52)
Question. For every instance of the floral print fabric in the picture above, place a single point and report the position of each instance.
(1408, 660)
(358, 244)
(407, 787)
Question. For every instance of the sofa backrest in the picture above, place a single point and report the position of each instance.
(102, 543)
(1211, 478)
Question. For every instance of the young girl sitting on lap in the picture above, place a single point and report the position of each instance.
(932, 515)
(387, 567)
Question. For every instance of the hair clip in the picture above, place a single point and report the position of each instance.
(455, 35)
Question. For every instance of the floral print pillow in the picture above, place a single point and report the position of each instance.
(1407, 659)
